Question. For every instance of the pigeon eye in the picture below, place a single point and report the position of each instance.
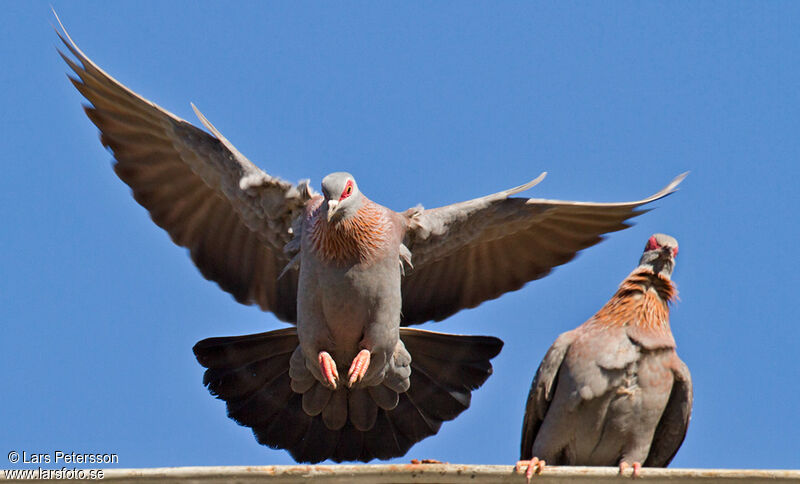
(348, 189)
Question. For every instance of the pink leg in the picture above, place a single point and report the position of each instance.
(533, 465)
(637, 468)
(328, 368)
(358, 368)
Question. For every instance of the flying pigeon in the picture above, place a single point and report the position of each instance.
(613, 391)
(347, 382)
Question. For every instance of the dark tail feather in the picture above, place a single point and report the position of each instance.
(288, 428)
(351, 445)
(236, 351)
(251, 374)
(445, 368)
(380, 442)
(411, 422)
(457, 360)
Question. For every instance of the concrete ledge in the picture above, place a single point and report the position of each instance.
(431, 473)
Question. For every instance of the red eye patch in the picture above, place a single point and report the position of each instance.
(348, 190)
(651, 244)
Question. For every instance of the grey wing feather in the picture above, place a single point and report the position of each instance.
(674, 421)
(541, 394)
(233, 217)
(470, 252)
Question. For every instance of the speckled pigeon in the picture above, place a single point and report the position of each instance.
(347, 383)
(613, 391)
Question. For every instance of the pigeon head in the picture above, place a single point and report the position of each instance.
(342, 198)
(659, 254)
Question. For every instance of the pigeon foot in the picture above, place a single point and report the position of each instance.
(328, 368)
(532, 466)
(637, 468)
(358, 368)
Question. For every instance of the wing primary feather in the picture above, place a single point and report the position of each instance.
(468, 248)
(191, 181)
(216, 132)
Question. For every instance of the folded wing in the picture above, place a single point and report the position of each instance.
(674, 422)
(541, 394)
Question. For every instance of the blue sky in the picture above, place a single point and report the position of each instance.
(428, 103)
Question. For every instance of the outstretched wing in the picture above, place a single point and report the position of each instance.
(674, 421)
(233, 217)
(474, 251)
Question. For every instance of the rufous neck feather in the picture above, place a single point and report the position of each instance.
(642, 300)
(353, 239)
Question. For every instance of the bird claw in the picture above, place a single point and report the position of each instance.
(358, 368)
(531, 466)
(626, 391)
(328, 368)
(637, 468)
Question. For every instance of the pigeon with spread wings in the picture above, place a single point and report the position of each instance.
(348, 382)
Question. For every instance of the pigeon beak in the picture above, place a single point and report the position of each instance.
(665, 254)
(333, 206)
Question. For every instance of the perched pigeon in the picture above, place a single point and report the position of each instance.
(613, 391)
(348, 383)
